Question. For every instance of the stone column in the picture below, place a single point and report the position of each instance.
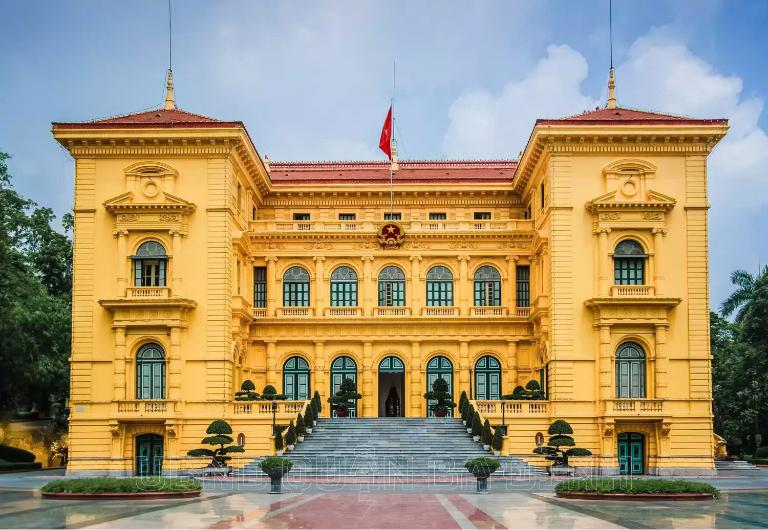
(511, 381)
(370, 394)
(174, 365)
(605, 363)
(464, 285)
(603, 262)
(533, 283)
(511, 291)
(661, 362)
(464, 368)
(122, 280)
(416, 292)
(121, 377)
(320, 294)
(658, 265)
(273, 371)
(416, 401)
(177, 287)
(271, 285)
(320, 374)
(368, 294)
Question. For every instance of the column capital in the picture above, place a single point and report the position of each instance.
(659, 231)
(366, 258)
(415, 257)
(463, 257)
(270, 259)
(120, 232)
(598, 231)
(513, 258)
(319, 259)
(175, 232)
(319, 343)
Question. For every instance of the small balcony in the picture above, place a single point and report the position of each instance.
(145, 408)
(439, 311)
(488, 311)
(272, 226)
(632, 291)
(148, 292)
(295, 312)
(522, 312)
(259, 312)
(636, 407)
(343, 312)
(392, 311)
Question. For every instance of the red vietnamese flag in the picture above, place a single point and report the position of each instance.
(385, 143)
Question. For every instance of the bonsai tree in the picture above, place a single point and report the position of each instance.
(290, 435)
(482, 468)
(345, 398)
(560, 436)
(318, 404)
(442, 399)
(219, 431)
(247, 392)
(498, 440)
(477, 426)
(269, 393)
(487, 436)
(300, 429)
(463, 401)
(276, 467)
(532, 391)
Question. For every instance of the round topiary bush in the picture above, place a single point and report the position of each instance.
(482, 467)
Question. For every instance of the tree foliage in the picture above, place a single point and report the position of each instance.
(35, 302)
(560, 432)
(219, 431)
(346, 396)
(441, 398)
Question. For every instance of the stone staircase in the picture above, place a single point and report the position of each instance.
(390, 447)
(733, 465)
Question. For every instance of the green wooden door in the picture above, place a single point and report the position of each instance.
(296, 379)
(149, 455)
(439, 367)
(631, 453)
(344, 367)
(487, 378)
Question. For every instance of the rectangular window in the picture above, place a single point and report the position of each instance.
(628, 271)
(149, 272)
(253, 213)
(301, 217)
(259, 287)
(391, 293)
(392, 216)
(347, 217)
(541, 192)
(482, 216)
(487, 293)
(439, 293)
(239, 197)
(344, 294)
(523, 286)
(437, 216)
(296, 294)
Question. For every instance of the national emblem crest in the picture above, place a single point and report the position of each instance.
(391, 236)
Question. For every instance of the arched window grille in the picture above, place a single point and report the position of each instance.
(296, 287)
(344, 287)
(439, 286)
(487, 286)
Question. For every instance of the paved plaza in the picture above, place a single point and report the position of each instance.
(511, 504)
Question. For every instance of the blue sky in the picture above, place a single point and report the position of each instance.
(312, 80)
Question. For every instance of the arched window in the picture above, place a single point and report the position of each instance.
(149, 265)
(391, 287)
(296, 379)
(439, 367)
(150, 372)
(487, 378)
(629, 263)
(344, 287)
(487, 286)
(630, 371)
(439, 286)
(296, 287)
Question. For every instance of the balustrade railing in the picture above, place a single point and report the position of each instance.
(295, 312)
(440, 311)
(148, 292)
(523, 312)
(638, 406)
(266, 226)
(142, 406)
(392, 311)
(342, 311)
(488, 311)
(629, 291)
(264, 408)
(512, 407)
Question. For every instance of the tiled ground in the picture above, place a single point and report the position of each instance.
(513, 504)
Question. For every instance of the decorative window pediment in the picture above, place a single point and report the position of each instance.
(168, 212)
(612, 200)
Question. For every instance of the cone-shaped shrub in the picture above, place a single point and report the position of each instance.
(477, 425)
(300, 428)
(279, 440)
(309, 417)
(487, 436)
(463, 401)
(290, 435)
(498, 439)
(318, 404)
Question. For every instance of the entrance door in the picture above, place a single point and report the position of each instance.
(631, 453)
(149, 455)
(487, 378)
(391, 387)
(296, 379)
(344, 367)
(439, 367)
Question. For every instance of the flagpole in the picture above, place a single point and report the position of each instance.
(393, 144)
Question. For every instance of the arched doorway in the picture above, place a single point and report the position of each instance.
(344, 367)
(149, 455)
(631, 453)
(296, 379)
(391, 387)
(439, 366)
(487, 378)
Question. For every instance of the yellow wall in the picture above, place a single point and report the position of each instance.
(180, 187)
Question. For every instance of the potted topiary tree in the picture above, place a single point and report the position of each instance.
(279, 445)
(441, 398)
(247, 392)
(219, 431)
(276, 468)
(463, 402)
(477, 427)
(300, 430)
(559, 436)
(498, 441)
(318, 405)
(345, 398)
(470, 412)
(533, 390)
(487, 435)
(290, 437)
(269, 394)
(482, 468)
(309, 419)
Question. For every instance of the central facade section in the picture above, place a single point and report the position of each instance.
(391, 291)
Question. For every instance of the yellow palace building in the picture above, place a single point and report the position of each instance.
(582, 265)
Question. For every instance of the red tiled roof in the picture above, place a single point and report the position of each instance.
(410, 171)
(175, 118)
(624, 116)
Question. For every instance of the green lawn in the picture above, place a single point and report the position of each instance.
(121, 485)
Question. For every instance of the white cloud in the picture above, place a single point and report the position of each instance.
(487, 125)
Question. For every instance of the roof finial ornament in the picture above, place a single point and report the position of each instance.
(170, 102)
(611, 104)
